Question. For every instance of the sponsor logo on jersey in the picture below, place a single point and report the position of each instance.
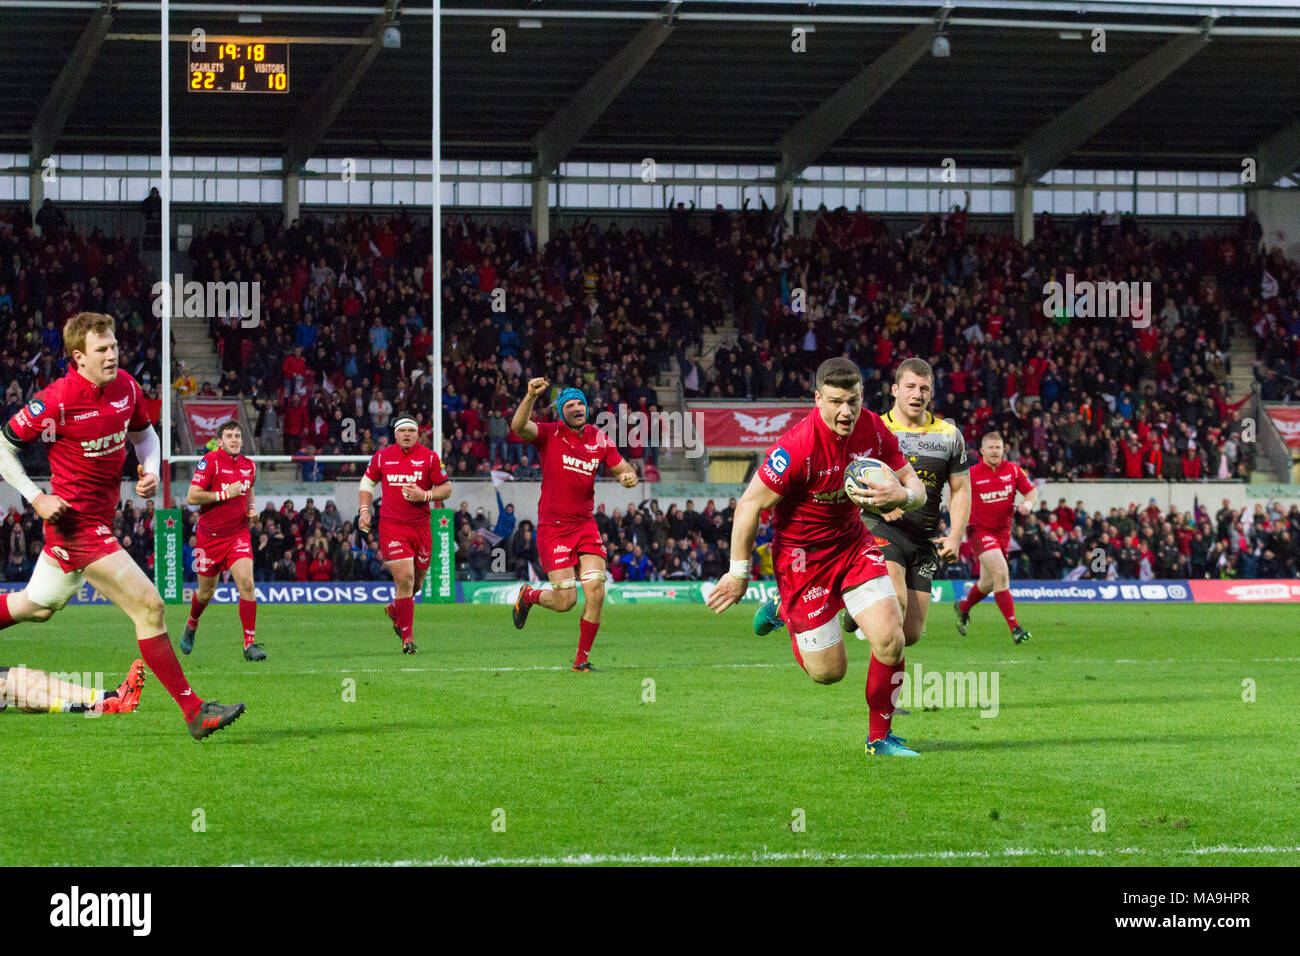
(830, 497)
(35, 407)
(203, 463)
(400, 479)
(98, 447)
(59, 553)
(84, 415)
(588, 466)
(103, 529)
(779, 460)
(560, 549)
(813, 594)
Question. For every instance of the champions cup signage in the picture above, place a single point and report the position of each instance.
(167, 568)
(440, 583)
(746, 427)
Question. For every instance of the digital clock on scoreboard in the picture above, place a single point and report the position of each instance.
(239, 66)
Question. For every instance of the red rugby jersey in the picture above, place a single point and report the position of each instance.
(570, 461)
(806, 467)
(391, 468)
(223, 519)
(993, 495)
(89, 425)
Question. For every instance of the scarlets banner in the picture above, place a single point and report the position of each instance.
(745, 427)
(1287, 420)
(204, 417)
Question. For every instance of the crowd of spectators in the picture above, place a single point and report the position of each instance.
(1140, 397)
(647, 543)
(44, 281)
(1146, 543)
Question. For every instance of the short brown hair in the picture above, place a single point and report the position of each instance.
(226, 426)
(838, 373)
(917, 366)
(993, 434)
(75, 329)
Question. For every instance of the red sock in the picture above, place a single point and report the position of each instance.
(1007, 606)
(404, 611)
(586, 637)
(6, 619)
(248, 618)
(196, 608)
(973, 597)
(532, 596)
(161, 659)
(794, 646)
(880, 697)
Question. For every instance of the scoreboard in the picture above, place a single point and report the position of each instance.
(239, 65)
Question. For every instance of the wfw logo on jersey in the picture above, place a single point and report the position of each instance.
(588, 466)
(74, 908)
(98, 447)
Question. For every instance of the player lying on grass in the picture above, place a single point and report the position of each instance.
(572, 452)
(36, 692)
(409, 477)
(222, 487)
(937, 452)
(994, 484)
(85, 420)
(822, 555)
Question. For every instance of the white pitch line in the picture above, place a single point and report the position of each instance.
(791, 664)
(766, 856)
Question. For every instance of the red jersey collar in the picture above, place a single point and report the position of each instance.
(826, 429)
(83, 384)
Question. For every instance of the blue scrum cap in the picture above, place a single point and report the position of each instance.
(571, 395)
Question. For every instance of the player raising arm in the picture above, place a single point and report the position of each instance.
(222, 487)
(822, 555)
(409, 476)
(86, 419)
(994, 484)
(572, 452)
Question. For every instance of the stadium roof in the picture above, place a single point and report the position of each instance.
(1179, 85)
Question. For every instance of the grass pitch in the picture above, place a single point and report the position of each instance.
(484, 747)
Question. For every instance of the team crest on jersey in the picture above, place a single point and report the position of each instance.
(121, 406)
(35, 407)
(779, 460)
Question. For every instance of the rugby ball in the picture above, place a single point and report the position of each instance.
(862, 470)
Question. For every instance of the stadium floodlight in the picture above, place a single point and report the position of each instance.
(392, 37)
(250, 18)
(530, 24)
(939, 46)
(1070, 35)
